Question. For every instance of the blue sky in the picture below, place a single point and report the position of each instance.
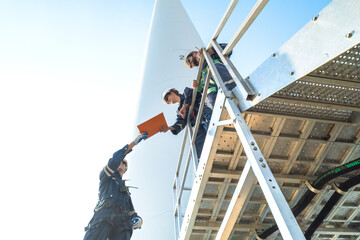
(69, 84)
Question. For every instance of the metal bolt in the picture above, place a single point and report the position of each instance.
(292, 73)
(261, 159)
(349, 35)
(274, 54)
(263, 165)
(252, 143)
(315, 18)
(255, 148)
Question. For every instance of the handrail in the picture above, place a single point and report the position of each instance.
(181, 153)
(223, 21)
(242, 85)
(189, 134)
(202, 102)
(255, 11)
(190, 110)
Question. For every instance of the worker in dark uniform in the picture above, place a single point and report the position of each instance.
(172, 96)
(193, 59)
(114, 215)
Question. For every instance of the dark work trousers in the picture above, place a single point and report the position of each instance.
(202, 130)
(200, 139)
(104, 231)
(212, 99)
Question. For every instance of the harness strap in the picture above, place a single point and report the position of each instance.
(212, 89)
(203, 76)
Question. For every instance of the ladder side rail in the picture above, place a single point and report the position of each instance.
(201, 105)
(191, 108)
(180, 218)
(244, 87)
(203, 171)
(181, 153)
(242, 190)
(176, 186)
(179, 188)
(280, 209)
(255, 11)
(216, 75)
(193, 149)
(199, 115)
(223, 21)
(176, 213)
(192, 134)
(198, 79)
(187, 163)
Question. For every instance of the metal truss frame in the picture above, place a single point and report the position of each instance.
(329, 34)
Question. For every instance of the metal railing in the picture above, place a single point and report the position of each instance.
(256, 167)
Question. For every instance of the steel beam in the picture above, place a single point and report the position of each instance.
(278, 205)
(332, 33)
(242, 190)
(315, 103)
(245, 227)
(330, 81)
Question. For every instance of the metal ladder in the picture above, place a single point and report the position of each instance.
(228, 110)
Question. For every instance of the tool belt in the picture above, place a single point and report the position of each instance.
(119, 218)
(123, 188)
(95, 224)
(105, 202)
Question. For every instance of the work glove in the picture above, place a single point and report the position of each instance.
(136, 222)
(140, 137)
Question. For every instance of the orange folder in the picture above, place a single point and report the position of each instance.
(152, 126)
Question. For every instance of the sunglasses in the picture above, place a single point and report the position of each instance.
(125, 163)
(166, 97)
(188, 61)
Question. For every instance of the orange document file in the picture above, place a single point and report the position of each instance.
(152, 126)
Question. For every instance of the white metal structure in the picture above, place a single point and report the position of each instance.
(171, 36)
(293, 118)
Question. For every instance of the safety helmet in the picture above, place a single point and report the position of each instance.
(166, 92)
(187, 63)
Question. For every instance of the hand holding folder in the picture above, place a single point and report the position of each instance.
(152, 126)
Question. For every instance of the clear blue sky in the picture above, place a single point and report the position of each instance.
(69, 81)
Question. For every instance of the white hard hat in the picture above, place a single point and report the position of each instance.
(166, 92)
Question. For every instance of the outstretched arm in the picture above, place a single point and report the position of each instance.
(138, 139)
(131, 145)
